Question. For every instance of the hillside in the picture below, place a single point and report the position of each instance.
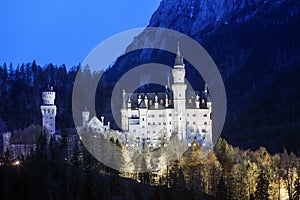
(255, 45)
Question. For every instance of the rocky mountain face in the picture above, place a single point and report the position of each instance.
(256, 46)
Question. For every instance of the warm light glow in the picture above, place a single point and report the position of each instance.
(16, 163)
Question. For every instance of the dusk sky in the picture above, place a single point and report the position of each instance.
(65, 31)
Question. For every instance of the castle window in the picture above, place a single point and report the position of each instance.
(205, 115)
(153, 123)
(192, 130)
(153, 116)
(205, 123)
(143, 119)
(203, 131)
(194, 115)
(164, 123)
(153, 131)
(148, 131)
(161, 115)
(143, 126)
(134, 130)
(159, 123)
(170, 130)
(149, 123)
(170, 122)
(187, 114)
(187, 123)
(194, 123)
(170, 114)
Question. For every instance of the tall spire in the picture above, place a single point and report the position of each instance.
(124, 100)
(179, 58)
(178, 49)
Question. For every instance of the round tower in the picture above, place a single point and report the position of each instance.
(85, 117)
(48, 110)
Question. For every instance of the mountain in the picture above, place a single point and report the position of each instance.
(256, 46)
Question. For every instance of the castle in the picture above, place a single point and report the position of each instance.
(48, 110)
(150, 120)
(21, 143)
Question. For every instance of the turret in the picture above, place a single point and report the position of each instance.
(124, 99)
(146, 101)
(129, 104)
(179, 100)
(179, 58)
(6, 141)
(85, 117)
(166, 101)
(207, 95)
(48, 110)
(179, 68)
(139, 99)
(125, 111)
(197, 102)
(156, 102)
(48, 96)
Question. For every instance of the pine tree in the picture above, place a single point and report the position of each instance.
(296, 192)
(262, 187)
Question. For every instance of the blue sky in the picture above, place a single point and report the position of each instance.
(65, 31)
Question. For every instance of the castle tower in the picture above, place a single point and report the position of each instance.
(209, 127)
(143, 125)
(124, 112)
(48, 110)
(179, 88)
(85, 117)
(6, 141)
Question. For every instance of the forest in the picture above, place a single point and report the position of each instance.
(224, 173)
(21, 88)
(20, 100)
(227, 172)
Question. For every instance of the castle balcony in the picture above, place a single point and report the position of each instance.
(134, 121)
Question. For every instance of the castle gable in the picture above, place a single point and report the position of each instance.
(94, 123)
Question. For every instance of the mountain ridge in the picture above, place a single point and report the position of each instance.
(255, 45)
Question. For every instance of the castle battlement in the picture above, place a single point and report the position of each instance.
(48, 110)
